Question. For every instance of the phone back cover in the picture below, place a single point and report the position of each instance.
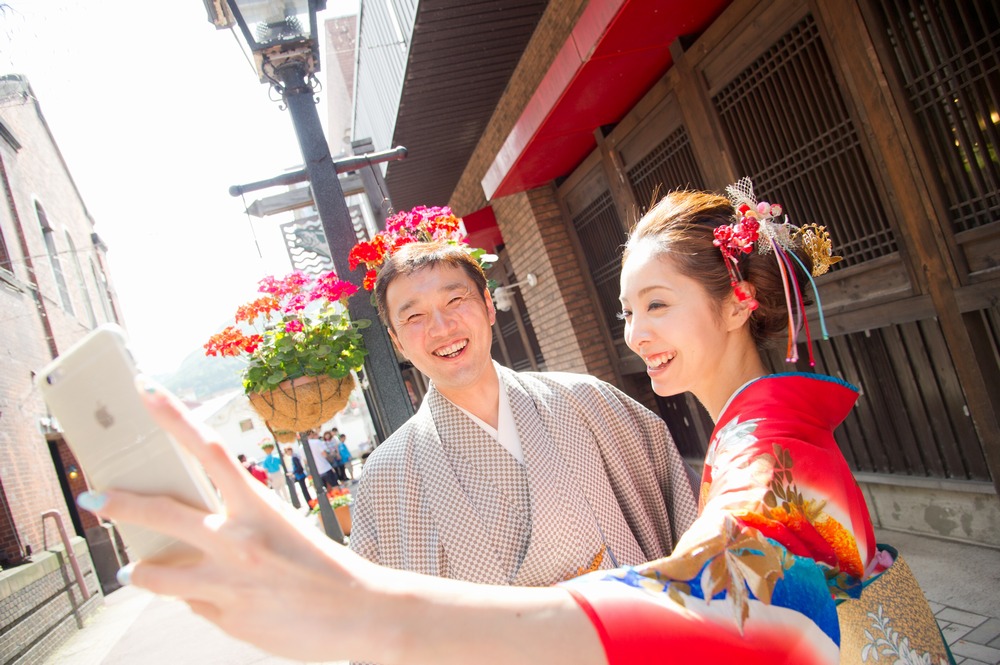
(116, 441)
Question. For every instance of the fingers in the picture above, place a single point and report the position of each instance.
(216, 536)
(157, 513)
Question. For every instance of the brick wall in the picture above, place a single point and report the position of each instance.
(532, 223)
(562, 312)
(41, 605)
(35, 172)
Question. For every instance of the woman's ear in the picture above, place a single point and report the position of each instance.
(741, 304)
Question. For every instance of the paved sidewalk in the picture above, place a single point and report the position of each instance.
(137, 627)
(961, 581)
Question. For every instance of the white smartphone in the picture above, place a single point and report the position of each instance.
(91, 391)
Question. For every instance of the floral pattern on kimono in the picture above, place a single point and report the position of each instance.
(783, 536)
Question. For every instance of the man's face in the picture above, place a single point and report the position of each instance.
(442, 324)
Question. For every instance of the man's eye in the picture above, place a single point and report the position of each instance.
(413, 318)
(455, 300)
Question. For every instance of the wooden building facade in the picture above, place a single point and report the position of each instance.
(877, 118)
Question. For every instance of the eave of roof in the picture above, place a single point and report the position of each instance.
(462, 55)
(616, 52)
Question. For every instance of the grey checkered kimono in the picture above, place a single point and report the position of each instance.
(601, 485)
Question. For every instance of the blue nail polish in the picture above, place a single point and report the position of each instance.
(124, 575)
(92, 501)
(146, 384)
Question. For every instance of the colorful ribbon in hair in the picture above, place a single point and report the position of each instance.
(758, 224)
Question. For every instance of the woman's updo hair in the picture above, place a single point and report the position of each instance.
(681, 226)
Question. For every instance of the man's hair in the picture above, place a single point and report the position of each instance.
(416, 256)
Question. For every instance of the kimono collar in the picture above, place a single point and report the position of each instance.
(816, 397)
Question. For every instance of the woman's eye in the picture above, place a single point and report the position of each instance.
(655, 305)
(624, 315)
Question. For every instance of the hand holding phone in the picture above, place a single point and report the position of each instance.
(91, 391)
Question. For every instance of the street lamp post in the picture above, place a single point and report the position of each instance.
(286, 51)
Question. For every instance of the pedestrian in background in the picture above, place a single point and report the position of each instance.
(298, 472)
(275, 474)
(345, 459)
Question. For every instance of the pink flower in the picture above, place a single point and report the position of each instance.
(293, 326)
(296, 303)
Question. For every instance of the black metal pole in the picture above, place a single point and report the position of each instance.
(330, 524)
(293, 495)
(381, 365)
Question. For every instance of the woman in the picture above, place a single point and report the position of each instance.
(782, 535)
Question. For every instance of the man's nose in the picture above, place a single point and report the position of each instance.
(441, 321)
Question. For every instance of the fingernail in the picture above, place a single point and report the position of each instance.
(124, 575)
(146, 384)
(92, 501)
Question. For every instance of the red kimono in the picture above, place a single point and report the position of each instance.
(781, 565)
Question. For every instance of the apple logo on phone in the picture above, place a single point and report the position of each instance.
(103, 416)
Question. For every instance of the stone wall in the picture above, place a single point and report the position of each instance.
(962, 511)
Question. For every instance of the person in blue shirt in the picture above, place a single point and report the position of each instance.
(275, 472)
(345, 459)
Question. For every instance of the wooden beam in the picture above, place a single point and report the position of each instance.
(854, 55)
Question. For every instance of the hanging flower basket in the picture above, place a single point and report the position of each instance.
(303, 403)
(283, 435)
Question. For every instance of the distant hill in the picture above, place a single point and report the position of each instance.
(202, 377)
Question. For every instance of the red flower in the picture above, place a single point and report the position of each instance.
(421, 224)
(261, 306)
(251, 343)
(332, 289)
(229, 342)
(293, 326)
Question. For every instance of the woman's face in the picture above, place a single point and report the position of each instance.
(672, 324)
(327, 436)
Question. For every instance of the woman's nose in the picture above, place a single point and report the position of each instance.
(636, 333)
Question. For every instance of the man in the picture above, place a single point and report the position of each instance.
(298, 472)
(327, 478)
(501, 477)
(275, 472)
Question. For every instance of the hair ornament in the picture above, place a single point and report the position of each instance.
(816, 242)
(765, 224)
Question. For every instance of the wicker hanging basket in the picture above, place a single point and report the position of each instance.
(284, 435)
(303, 403)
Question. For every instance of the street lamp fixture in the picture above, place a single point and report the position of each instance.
(282, 35)
(279, 32)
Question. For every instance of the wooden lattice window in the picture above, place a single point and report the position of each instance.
(948, 57)
(601, 234)
(669, 166)
(911, 418)
(790, 131)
